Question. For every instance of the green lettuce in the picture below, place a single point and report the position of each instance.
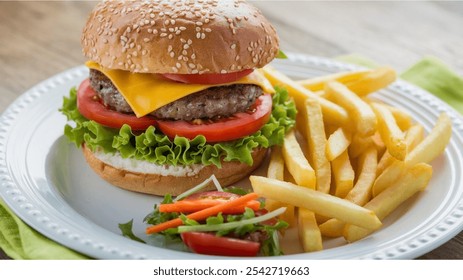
(153, 146)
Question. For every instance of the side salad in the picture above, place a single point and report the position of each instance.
(226, 222)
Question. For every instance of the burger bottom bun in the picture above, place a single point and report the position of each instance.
(231, 172)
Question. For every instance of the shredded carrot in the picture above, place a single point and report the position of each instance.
(190, 206)
(203, 214)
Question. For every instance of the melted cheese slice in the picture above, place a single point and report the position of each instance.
(146, 93)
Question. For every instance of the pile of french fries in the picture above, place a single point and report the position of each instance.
(351, 160)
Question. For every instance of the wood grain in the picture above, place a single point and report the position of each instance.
(40, 39)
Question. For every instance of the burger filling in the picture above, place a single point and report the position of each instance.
(214, 102)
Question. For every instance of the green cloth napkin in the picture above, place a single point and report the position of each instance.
(19, 241)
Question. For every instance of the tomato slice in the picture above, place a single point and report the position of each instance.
(208, 79)
(226, 129)
(90, 107)
(210, 244)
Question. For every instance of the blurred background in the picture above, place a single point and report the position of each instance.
(42, 38)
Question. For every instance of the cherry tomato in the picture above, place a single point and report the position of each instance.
(208, 79)
(210, 244)
(89, 106)
(226, 129)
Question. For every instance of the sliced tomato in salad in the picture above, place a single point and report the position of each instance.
(208, 79)
(226, 129)
(91, 107)
(210, 244)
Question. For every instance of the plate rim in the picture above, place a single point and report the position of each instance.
(16, 201)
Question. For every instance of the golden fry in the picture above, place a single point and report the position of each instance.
(377, 79)
(390, 132)
(317, 145)
(332, 113)
(343, 175)
(296, 163)
(309, 233)
(318, 83)
(414, 180)
(412, 137)
(338, 142)
(318, 202)
(432, 146)
(276, 170)
(362, 115)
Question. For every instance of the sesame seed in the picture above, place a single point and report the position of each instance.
(233, 46)
(178, 65)
(163, 34)
(223, 71)
(146, 40)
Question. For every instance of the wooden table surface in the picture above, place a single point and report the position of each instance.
(40, 39)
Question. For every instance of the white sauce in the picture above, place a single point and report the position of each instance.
(140, 166)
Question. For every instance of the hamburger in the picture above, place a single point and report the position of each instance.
(175, 94)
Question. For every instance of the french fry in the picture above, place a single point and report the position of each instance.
(338, 142)
(413, 136)
(360, 194)
(390, 132)
(432, 146)
(296, 163)
(343, 175)
(402, 118)
(276, 166)
(276, 170)
(309, 233)
(332, 113)
(318, 83)
(373, 81)
(318, 202)
(317, 145)
(358, 145)
(363, 116)
(414, 180)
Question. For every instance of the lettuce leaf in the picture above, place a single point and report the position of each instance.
(153, 146)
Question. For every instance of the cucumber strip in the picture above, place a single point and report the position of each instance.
(195, 189)
(216, 183)
(232, 225)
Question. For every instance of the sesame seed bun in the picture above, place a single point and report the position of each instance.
(183, 37)
(150, 183)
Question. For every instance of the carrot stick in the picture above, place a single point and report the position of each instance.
(202, 214)
(190, 206)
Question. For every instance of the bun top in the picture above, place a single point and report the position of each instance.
(184, 37)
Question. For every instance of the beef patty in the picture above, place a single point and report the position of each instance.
(221, 101)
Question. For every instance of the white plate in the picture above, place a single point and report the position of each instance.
(47, 183)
